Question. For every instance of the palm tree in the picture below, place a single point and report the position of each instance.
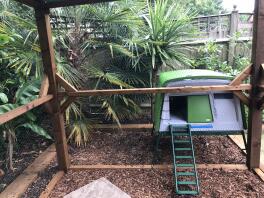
(114, 22)
(167, 25)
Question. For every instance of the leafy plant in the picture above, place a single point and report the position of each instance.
(209, 57)
(24, 94)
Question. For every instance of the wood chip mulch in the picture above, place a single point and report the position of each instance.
(130, 147)
(159, 183)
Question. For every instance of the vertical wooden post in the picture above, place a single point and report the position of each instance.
(255, 114)
(47, 51)
(234, 19)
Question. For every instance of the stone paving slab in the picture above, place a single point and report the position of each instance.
(101, 188)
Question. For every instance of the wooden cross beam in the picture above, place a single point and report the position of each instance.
(31, 3)
(64, 3)
(46, 4)
(24, 109)
(69, 88)
(186, 89)
(238, 80)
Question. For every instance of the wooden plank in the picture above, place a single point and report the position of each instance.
(19, 186)
(223, 166)
(186, 89)
(242, 76)
(42, 161)
(123, 126)
(57, 177)
(243, 98)
(160, 166)
(67, 86)
(31, 3)
(47, 52)
(262, 165)
(61, 141)
(23, 109)
(64, 3)
(44, 87)
(260, 173)
(238, 140)
(255, 114)
(66, 104)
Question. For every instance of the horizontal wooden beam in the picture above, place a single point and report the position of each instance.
(23, 109)
(123, 126)
(186, 89)
(64, 3)
(161, 166)
(31, 3)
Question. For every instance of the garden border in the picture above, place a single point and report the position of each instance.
(30, 174)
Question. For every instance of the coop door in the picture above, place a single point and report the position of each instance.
(199, 109)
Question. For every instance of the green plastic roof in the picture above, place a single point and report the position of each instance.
(166, 77)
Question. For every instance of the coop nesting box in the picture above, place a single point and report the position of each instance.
(218, 112)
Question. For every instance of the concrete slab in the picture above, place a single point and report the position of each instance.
(101, 188)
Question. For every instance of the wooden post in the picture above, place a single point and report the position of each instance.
(255, 114)
(45, 39)
(234, 19)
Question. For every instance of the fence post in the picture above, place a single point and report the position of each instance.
(234, 19)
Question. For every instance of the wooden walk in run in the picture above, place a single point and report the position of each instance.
(50, 96)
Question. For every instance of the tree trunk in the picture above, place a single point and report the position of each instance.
(10, 149)
(153, 84)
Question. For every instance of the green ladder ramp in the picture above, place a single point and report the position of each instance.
(184, 167)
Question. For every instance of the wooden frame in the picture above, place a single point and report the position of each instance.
(49, 91)
(65, 3)
(186, 89)
(24, 109)
(255, 114)
(158, 166)
(47, 51)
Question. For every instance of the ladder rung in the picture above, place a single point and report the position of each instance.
(183, 149)
(179, 130)
(181, 134)
(187, 192)
(185, 174)
(187, 182)
(185, 165)
(182, 141)
(184, 157)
